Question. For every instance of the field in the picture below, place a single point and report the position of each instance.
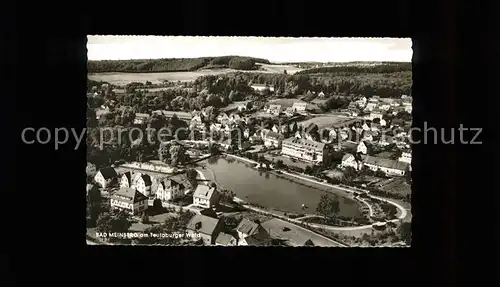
(121, 79)
(323, 121)
(285, 103)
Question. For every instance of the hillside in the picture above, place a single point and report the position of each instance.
(359, 67)
(175, 65)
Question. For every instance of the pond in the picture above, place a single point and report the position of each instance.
(271, 191)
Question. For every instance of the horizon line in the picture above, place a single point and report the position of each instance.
(271, 62)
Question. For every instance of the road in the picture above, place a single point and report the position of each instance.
(402, 211)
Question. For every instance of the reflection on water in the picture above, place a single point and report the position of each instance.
(267, 189)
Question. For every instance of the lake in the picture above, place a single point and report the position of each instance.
(271, 191)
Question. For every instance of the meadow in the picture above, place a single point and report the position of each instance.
(121, 79)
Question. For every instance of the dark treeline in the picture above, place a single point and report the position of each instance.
(357, 69)
(174, 65)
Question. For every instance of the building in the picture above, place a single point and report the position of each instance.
(272, 139)
(362, 148)
(408, 107)
(142, 182)
(292, 235)
(299, 107)
(196, 122)
(376, 114)
(304, 149)
(130, 200)
(348, 160)
(225, 239)
(184, 116)
(126, 179)
(205, 196)
(262, 87)
(405, 157)
(274, 109)
(169, 189)
(106, 177)
(370, 107)
(140, 118)
(388, 166)
(207, 228)
(252, 234)
(289, 112)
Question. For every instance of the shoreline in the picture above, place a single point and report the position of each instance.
(402, 212)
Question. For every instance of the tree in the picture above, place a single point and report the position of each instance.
(164, 152)
(213, 149)
(249, 106)
(144, 218)
(114, 222)
(192, 175)
(404, 232)
(328, 206)
(157, 205)
(177, 154)
(279, 163)
(349, 173)
(308, 170)
(379, 173)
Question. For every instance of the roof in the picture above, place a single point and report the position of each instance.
(274, 106)
(204, 192)
(383, 162)
(299, 104)
(129, 195)
(140, 115)
(247, 227)
(169, 183)
(169, 114)
(305, 143)
(128, 174)
(223, 238)
(273, 135)
(145, 177)
(259, 239)
(209, 212)
(346, 156)
(108, 172)
(203, 224)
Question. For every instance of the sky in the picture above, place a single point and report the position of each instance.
(277, 50)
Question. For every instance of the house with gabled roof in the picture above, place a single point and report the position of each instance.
(168, 189)
(348, 160)
(225, 239)
(126, 179)
(106, 177)
(205, 227)
(142, 182)
(129, 200)
(206, 196)
(252, 233)
(388, 166)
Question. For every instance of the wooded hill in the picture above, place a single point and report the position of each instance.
(174, 65)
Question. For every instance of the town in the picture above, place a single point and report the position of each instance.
(309, 158)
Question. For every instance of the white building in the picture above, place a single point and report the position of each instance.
(169, 189)
(405, 157)
(274, 109)
(304, 149)
(388, 166)
(106, 177)
(142, 182)
(130, 200)
(205, 196)
(348, 160)
(126, 179)
(362, 148)
(299, 107)
(272, 139)
(262, 87)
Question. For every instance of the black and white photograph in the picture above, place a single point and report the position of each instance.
(249, 141)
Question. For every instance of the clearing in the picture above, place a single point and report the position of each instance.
(121, 79)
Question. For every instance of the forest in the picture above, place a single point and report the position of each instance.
(174, 65)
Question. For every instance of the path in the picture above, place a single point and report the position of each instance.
(402, 212)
